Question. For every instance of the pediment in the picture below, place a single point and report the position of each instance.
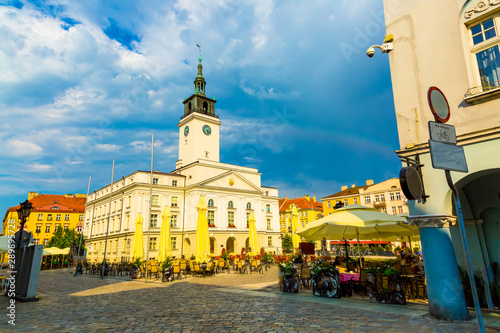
(231, 180)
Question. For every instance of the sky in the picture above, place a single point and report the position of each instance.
(86, 82)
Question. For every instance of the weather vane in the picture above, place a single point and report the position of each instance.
(199, 47)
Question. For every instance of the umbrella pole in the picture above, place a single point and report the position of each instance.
(409, 241)
(359, 251)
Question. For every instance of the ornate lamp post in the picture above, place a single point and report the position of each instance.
(23, 213)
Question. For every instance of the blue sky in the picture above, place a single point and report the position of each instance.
(83, 82)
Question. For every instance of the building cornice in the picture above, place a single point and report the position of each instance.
(199, 116)
(432, 221)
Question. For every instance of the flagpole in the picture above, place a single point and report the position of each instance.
(109, 216)
(84, 215)
(150, 204)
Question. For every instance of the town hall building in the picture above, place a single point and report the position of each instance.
(231, 192)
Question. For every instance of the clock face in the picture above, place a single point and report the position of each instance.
(207, 130)
(186, 130)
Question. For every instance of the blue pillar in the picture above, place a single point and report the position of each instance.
(444, 287)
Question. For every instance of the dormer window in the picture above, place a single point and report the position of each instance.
(54, 207)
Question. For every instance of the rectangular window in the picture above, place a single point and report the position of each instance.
(35, 241)
(152, 243)
(248, 217)
(80, 218)
(398, 196)
(154, 200)
(305, 213)
(230, 219)
(47, 228)
(367, 200)
(268, 223)
(400, 209)
(129, 200)
(49, 217)
(45, 241)
(377, 198)
(394, 211)
(56, 227)
(173, 221)
(38, 228)
(210, 217)
(154, 220)
(174, 182)
(66, 217)
(268, 208)
(66, 226)
(329, 204)
(384, 210)
(58, 217)
(345, 202)
(483, 31)
(174, 201)
(173, 242)
(355, 200)
(391, 196)
(269, 241)
(127, 221)
(155, 181)
(382, 197)
(40, 217)
(79, 228)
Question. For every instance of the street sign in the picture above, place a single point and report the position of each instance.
(447, 156)
(438, 104)
(442, 132)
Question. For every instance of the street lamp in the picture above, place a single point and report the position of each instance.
(24, 212)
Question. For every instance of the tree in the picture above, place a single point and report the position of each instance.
(287, 242)
(64, 238)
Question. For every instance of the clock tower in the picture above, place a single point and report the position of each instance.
(199, 126)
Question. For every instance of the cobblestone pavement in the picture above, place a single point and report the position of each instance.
(225, 303)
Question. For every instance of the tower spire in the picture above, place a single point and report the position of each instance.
(199, 82)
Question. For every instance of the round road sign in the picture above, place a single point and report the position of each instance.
(411, 183)
(438, 104)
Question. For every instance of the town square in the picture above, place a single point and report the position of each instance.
(256, 166)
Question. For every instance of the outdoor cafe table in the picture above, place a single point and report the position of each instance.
(347, 277)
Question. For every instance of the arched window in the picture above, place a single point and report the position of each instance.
(230, 204)
(189, 106)
(249, 205)
(210, 203)
(205, 106)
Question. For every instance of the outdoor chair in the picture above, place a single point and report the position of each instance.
(94, 269)
(305, 276)
(242, 269)
(183, 267)
(361, 286)
(177, 271)
(211, 271)
(196, 269)
(351, 267)
(256, 267)
(419, 288)
(153, 269)
(143, 271)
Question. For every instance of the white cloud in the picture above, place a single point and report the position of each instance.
(37, 167)
(106, 147)
(14, 147)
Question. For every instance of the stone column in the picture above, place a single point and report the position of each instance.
(444, 287)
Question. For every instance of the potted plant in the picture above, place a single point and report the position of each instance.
(192, 257)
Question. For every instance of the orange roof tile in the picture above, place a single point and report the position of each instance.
(301, 203)
(46, 202)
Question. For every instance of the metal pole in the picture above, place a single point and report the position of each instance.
(150, 203)
(466, 251)
(84, 214)
(109, 216)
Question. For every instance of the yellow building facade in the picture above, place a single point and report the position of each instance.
(308, 208)
(49, 213)
(346, 196)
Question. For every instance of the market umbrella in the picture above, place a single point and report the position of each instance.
(253, 242)
(4, 244)
(295, 227)
(357, 222)
(202, 235)
(165, 243)
(138, 250)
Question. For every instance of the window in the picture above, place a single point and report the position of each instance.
(398, 196)
(79, 228)
(377, 197)
(49, 217)
(174, 182)
(329, 204)
(382, 197)
(152, 243)
(210, 203)
(268, 208)
(249, 205)
(305, 213)
(154, 200)
(384, 210)
(269, 241)
(66, 217)
(248, 217)
(155, 181)
(391, 196)
(173, 221)
(154, 220)
(230, 204)
(174, 201)
(40, 217)
(394, 211)
(367, 200)
(56, 227)
(38, 228)
(268, 223)
(400, 209)
(173, 242)
(230, 219)
(47, 228)
(355, 200)
(345, 202)
(80, 218)
(58, 217)
(66, 226)
(45, 241)
(210, 216)
(127, 221)
(129, 200)
(35, 241)
(483, 31)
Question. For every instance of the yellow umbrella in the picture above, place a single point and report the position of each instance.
(165, 243)
(202, 235)
(253, 241)
(138, 250)
(295, 226)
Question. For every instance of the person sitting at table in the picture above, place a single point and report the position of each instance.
(418, 268)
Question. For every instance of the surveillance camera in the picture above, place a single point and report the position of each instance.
(370, 52)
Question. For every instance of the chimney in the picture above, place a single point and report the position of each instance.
(343, 188)
(353, 185)
(369, 182)
(31, 195)
(69, 196)
(307, 197)
(314, 198)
